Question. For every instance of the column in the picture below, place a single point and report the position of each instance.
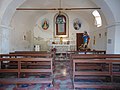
(4, 39)
(113, 39)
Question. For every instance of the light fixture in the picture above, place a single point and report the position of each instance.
(59, 8)
(60, 19)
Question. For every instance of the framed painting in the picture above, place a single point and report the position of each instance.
(61, 25)
(76, 24)
(45, 24)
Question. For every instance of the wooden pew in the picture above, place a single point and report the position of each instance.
(85, 52)
(94, 56)
(28, 52)
(91, 77)
(34, 55)
(25, 65)
(37, 53)
(25, 55)
(88, 52)
(34, 52)
(19, 81)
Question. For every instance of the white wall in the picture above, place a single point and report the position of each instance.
(7, 9)
(114, 27)
(114, 5)
(24, 26)
(43, 37)
(108, 7)
(100, 42)
(110, 40)
(25, 23)
(4, 39)
(20, 36)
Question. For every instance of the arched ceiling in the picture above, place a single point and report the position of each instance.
(56, 3)
(13, 4)
(64, 4)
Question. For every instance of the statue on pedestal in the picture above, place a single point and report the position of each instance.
(86, 39)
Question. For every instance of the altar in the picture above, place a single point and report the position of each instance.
(62, 48)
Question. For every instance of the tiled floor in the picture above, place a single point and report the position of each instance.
(62, 75)
(62, 79)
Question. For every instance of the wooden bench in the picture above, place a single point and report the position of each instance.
(34, 55)
(85, 52)
(27, 65)
(19, 81)
(94, 56)
(25, 55)
(95, 77)
(34, 52)
(88, 52)
(28, 52)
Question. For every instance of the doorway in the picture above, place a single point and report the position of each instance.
(79, 40)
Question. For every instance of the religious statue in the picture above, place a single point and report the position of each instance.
(86, 39)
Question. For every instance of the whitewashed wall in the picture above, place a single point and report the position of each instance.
(109, 8)
(114, 47)
(43, 37)
(111, 40)
(35, 35)
(20, 36)
(100, 42)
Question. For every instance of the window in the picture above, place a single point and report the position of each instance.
(98, 20)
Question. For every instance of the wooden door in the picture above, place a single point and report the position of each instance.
(79, 40)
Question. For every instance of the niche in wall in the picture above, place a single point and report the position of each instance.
(61, 25)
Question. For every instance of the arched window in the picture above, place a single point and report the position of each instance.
(61, 25)
(98, 20)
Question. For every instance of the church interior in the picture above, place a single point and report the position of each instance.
(59, 45)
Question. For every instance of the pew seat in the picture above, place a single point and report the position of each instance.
(96, 73)
(97, 85)
(18, 81)
(24, 67)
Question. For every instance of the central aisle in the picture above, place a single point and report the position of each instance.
(62, 75)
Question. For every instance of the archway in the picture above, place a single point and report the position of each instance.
(6, 18)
